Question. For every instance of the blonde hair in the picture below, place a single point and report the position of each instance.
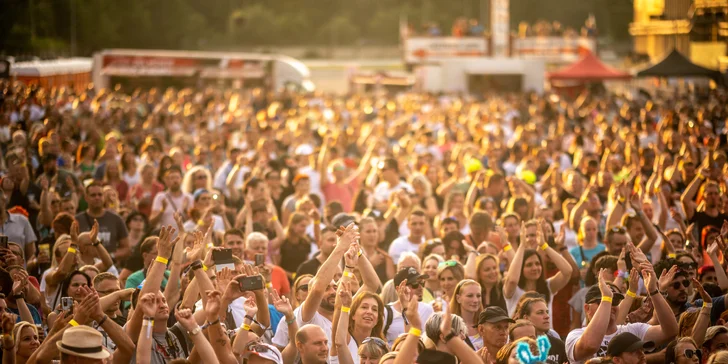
(427, 186)
(188, 179)
(19, 327)
(61, 239)
(455, 307)
(720, 357)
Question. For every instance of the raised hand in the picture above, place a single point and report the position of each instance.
(484, 355)
(232, 289)
(166, 243)
(94, 233)
(634, 280)
(603, 287)
(314, 214)
(412, 314)
(7, 323)
(637, 255)
(148, 304)
(403, 294)
(446, 325)
(666, 278)
(351, 257)
(621, 262)
(345, 294)
(212, 308)
(186, 319)
(281, 304)
(178, 220)
(74, 231)
(703, 294)
(648, 273)
(20, 281)
(348, 237)
(250, 308)
(522, 235)
(224, 277)
(636, 202)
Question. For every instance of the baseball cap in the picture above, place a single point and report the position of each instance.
(594, 295)
(410, 274)
(304, 149)
(627, 342)
(265, 351)
(493, 315)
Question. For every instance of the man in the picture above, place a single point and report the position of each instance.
(716, 339)
(711, 215)
(171, 200)
(107, 284)
(615, 240)
(261, 353)
(65, 182)
(257, 243)
(627, 348)
(676, 290)
(18, 230)
(390, 182)
(447, 225)
(202, 202)
(416, 224)
(25, 193)
(312, 344)
(326, 247)
(112, 230)
(306, 161)
(222, 173)
(481, 225)
(234, 239)
(585, 343)
(492, 326)
(149, 253)
(393, 322)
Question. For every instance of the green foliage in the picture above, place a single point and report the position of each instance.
(37, 26)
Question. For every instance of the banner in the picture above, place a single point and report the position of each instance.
(422, 49)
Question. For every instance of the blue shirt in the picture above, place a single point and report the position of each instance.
(589, 254)
(33, 312)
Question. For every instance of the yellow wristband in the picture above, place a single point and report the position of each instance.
(274, 218)
(415, 332)
(162, 260)
(71, 250)
(672, 255)
(268, 285)
(606, 299)
(204, 268)
(631, 294)
(317, 222)
(359, 253)
(348, 274)
(507, 248)
(544, 246)
(200, 222)
(73, 323)
(345, 309)
(707, 305)
(246, 327)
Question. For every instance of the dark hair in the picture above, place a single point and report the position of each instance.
(427, 248)
(233, 231)
(591, 277)
(713, 289)
(94, 184)
(450, 220)
(134, 214)
(480, 221)
(67, 282)
(541, 286)
(148, 244)
(252, 183)
(418, 212)
(457, 237)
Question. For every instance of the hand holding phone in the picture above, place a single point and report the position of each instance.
(252, 283)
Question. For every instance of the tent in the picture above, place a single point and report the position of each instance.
(677, 65)
(588, 69)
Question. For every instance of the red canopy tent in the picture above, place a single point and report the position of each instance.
(588, 69)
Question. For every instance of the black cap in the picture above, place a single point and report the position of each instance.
(435, 357)
(627, 342)
(410, 274)
(493, 315)
(594, 295)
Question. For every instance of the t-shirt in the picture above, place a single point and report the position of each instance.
(310, 266)
(397, 326)
(18, 230)
(112, 228)
(293, 254)
(512, 303)
(638, 329)
(402, 245)
(136, 278)
(557, 353)
(588, 253)
(174, 204)
(33, 312)
(281, 336)
(701, 220)
(343, 193)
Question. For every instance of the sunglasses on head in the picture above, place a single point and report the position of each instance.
(303, 287)
(379, 342)
(618, 229)
(448, 263)
(685, 283)
(258, 348)
(689, 353)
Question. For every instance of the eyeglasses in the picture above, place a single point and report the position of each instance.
(448, 263)
(303, 287)
(414, 285)
(685, 283)
(377, 341)
(201, 176)
(690, 352)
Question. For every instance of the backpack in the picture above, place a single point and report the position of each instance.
(390, 314)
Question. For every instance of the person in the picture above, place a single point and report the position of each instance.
(170, 201)
(18, 229)
(492, 326)
(508, 355)
(627, 348)
(683, 350)
(149, 251)
(81, 343)
(111, 228)
(71, 287)
(716, 340)
(588, 246)
(601, 306)
(312, 344)
(326, 247)
(449, 273)
(521, 328)
(467, 304)
(382, 262)
(296, 247)
(390, 182)
(142, 195)
(394, 318)
(257, 243)
(26, 341)
(410, 243)
(536, 311)
(432, 284)
(487, 274)
(360, 323)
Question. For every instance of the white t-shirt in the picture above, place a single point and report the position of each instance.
(49, 296)
(174, 204)
(639, 329)
(402, 245)
(237, 308)
(281, 337)
(218, 224)
(353, 350)
(397, 326)
(382, 191)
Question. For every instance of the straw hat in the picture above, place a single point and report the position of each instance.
(82, 341)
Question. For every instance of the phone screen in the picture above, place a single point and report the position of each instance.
(223, 259)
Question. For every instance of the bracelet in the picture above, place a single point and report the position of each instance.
(507, 248)
(707, 305)
(359, 253)
(606, 299)
(622, 200)
(317, 222)
(350, 267)
(563, 249)
(345, 309)
(73, 323)
(162, 260)
(631, 294)
(246, 327)
(204, 268)
(291, 321)
(71, 250)
(415, 332)
(102, 321)
(249, 318)
(672, 255)
(544, 246)
(200, 222)
(655, 292)
(348, 274)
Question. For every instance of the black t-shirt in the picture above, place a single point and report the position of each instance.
(557, 353)
(310, 266)
(293, 254)
(701, 220)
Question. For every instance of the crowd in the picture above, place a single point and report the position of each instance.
(224, 226)
(464, 27)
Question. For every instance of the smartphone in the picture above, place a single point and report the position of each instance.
(3, 241)
(259, 259)
(252, 283)
(223, 258)
(66, 303)
(46, 249)
(628, 261)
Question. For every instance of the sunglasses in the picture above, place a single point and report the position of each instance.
(685, 266)
(379, 342)
(414, 285)
(201, 176)
(684, 283)
(448, 263)
(303, 287)
(618, 229)
(689, 353)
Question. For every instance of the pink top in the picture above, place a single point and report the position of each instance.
(343, 193)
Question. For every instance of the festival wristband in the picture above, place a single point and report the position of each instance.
(544, 246)
(606, 299)
(162, 260)
(345, 309)
(631, 294)
(204, 268)
(289, 322)
(71, 250)
(707, 305)
(274, 218)
(672, 255)
(507, 248)
(268, 285)
(348, 274)
(73, 323)
(317, 222)
(246, 327)
(415, 332)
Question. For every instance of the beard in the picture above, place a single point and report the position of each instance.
(326, 305)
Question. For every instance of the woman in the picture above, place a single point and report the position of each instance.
(90, 270)
(507, 354)
(166, 163)
(86, 160)
(588, 247)
(526, 273)
(129, 170)
(112, 177)
(143, 193)
(683, 350)
(369, 241)
(296, 247)
(449, 273)
(136, 224)
(423, 195)
(467, 303)
(487, 274)
(300, 290)
(432, 284)
(48, 279)
(26, 341)
(720, 357)
(454, 247)
(196, 177)
(360, 329)
(71, 287)
(455, 207)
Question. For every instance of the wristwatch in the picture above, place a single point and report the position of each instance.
(96, 243)
(197, 264)
(194, 331)
(19, 296)
(449, 336)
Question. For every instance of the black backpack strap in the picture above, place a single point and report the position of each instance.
(390, 317)
(175, 329)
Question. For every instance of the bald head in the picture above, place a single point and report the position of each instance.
(312, 344)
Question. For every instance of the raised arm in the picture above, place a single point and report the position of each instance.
(218, 337)
(514, 271)
(68, 263)
(408, 350)
(369, 277)
(7, 323)
(342, 330)
(591, 339)
(184, 317)
(626, 304)
(650, 232)
(688, 197)
(101, 252)
(456, 345)
(667, 328)
(562, 278)
(703, 321)
(719, 270)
